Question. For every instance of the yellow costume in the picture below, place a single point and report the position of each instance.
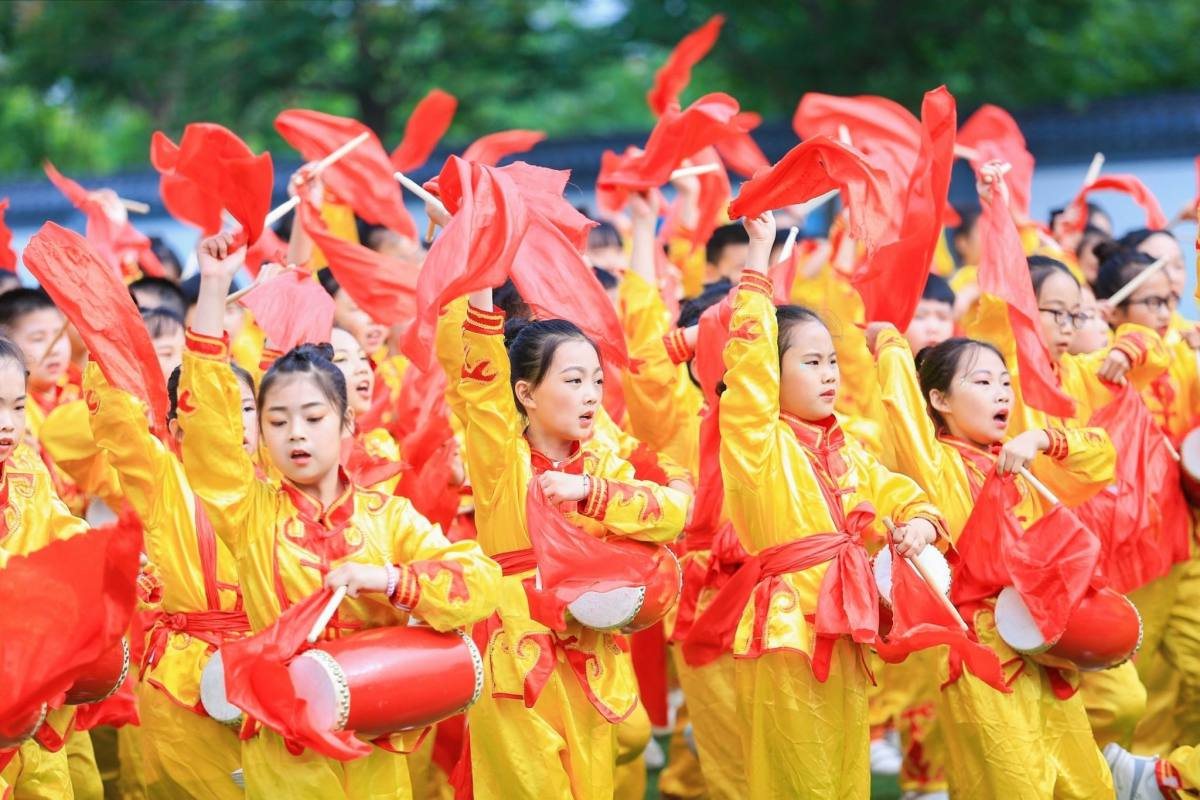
(546, 724)
(1029, 744)
(802, 497)
(284, 543)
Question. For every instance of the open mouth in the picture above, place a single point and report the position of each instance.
(1001, 416)
(586, 418)
(829, 394)
(6, 442)
(300, 457)
(363, 388)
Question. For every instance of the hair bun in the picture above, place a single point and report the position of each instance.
(512, 329)
(1105, 250)
(313, 350)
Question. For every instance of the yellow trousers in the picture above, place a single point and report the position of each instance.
(803, 738)
(185, 755)
(81, 760)
(633, 735)
(1027, 745)
(428, 780)
(922, 745)
(35, 773)
(272, 773)
(1115, 700)
(560, 748)
(681, 777)
(717, 726)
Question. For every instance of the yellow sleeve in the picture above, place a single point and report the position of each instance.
(627, 445)
(643, 314)
(218, 469)
(690, 261)
(915, 446)
(448, 346)
(492, 419)
(898, 496)
(38, 515)
(457, 583)
(1147, 353)
(1078, 465)
(750, 403)
(628, 507)
(67, 437)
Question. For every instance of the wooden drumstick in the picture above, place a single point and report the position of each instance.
(53, 343)
(919, 568)
(1149, 272)
(1040, 487)
(339, 594)
(699, 169)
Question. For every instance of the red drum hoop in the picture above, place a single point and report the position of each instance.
(1103, 632)
(102, 678)
(632, 608)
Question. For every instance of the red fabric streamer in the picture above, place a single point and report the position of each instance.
(428, 444)
(381, 285)
(269, 249)
(648, 650)
(489, 150)
(96, 302)
(258, 682)
(892, 281)
(1003, 272)
(292, 309)
(116, 241)
(739, 151)
(1125, 184)
(363, 468)
(812, 168)
(8, 258)
(993, 134)
(66, 605)
(363, 178)
(676, 72)
(426, 126)
(115, 712)
(715, 192)
(211, 170)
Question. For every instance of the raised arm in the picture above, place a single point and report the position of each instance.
(626, 506)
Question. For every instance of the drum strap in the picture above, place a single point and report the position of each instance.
(213, 627)
(514, 562)
(206, 540)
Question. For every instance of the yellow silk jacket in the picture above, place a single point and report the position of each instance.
(67, 437)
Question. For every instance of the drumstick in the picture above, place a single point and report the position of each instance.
(1149, 272)
(53, 343)
(929, 581)
(969, 153)
(339, 594)
(1171, 448)
(1094, 169)
(811, 205)
(788, 246)
(283, 208)
(420, 191)
(1040, 487)
(699, 169)
(135, 206)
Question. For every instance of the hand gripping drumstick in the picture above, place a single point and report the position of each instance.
(925, 576)
(339, 594)
(279, 211)
(1040, 487)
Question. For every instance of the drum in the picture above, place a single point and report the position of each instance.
(18, 731)
(101, 679)
(384, 680)
(212, 693)
(1103, 632)
(1189, 466)
(931, 559)
(632, 608)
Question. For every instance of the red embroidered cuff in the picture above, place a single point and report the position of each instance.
(408, 588)
(485, 322)
(677, 347)
(1059, 447)
(208, 346)
(756, 282)
(269, 357)
(595, 504)
(1134, 348)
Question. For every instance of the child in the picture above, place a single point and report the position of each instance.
(933, 321)
(725, 255)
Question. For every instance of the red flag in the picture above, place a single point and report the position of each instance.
(713, 199)
(66, 605)
(677, 135)
(993, 134)
(812, 168)
(258, 682)
(476, 249)
(363, 178)
(269, 249)
(739, 150)
(426, 126)
(292, 309)
(428, 445)
(96, 302)
(8, 258)
(676, 73)
(1125, 184)
(1004, 272)
(115, 240)
(211, 170)
(488, 150)
(381, 285)
(892, 281)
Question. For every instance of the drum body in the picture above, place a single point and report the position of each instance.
(384, 680)
(212, 693)
(1103, 632)
(1189, 466)
(632, 608)
(101, 679)
(931, 559)
(18, 731)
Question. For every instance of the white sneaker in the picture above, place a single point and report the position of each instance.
(1133, 776)
(885, 757)
(654, 755)
(914, 794)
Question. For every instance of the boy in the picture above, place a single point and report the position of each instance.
(933, 322)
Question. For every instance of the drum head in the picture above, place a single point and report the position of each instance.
(1015, 624)
(611, 610)
(212, 692)
(320, 683)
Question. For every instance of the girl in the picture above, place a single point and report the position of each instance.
(312, 529)
(949, 433)
(546, 724)
(802, 497)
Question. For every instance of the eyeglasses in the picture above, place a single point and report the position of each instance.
(1154, 304)
(1063, 318)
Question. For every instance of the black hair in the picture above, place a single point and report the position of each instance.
(723, 237)
(790, 317)
(166, 294)
(606, 278)
(603, 235)
(173, 387)
(16, 304)
(1118, 266)
(161, 322)
(1093, 210)
(316, 361)
(937, 288)
(938, 364)
(328, 282)
(166, 255)
(967, 216)
(506, 298)
(531, 347)
(691, 310)
(1091, 237)
(9, 351)
(8, 281)
(1134, 238)
(1042, 267)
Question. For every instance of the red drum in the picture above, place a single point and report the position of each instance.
(384, 680)
(1103, 632)
(632, 608)
(18, 731)
(931, 559)
(1189, 466)
(102, 677)
(212, 693)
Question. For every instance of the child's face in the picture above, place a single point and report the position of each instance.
(349, 317)
(12, 407)
(351, 359)
(1151, 305)
(933, 323)
(809, 376)
(1058, 298)
(169, 349)
(732, 261)
(302, 430)
(47, 354)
